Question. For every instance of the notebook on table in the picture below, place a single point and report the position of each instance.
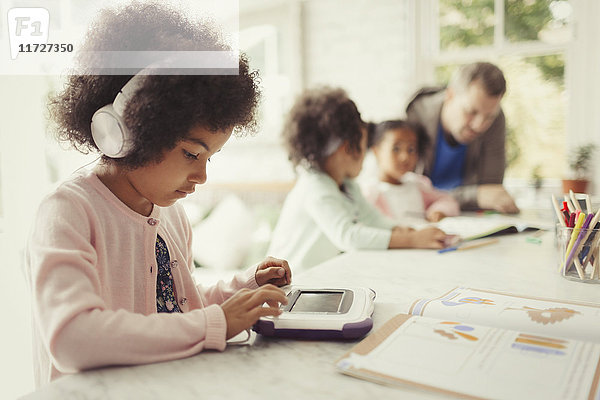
(477, 227)
(475, 343)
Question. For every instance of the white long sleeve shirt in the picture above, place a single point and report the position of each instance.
(318, 221)
(415, 196)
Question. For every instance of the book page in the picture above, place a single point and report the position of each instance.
(477, 361)
(474, 227)
(503, 310)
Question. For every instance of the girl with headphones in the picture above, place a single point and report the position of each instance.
(109, 261)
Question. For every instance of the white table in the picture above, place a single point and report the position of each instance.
(288, 369)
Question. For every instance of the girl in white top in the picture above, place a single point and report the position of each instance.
(325, 213)
(400, 193)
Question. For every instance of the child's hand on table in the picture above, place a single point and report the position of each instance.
(426, 238)
(435, 216)
(274, 271)
(429, 238)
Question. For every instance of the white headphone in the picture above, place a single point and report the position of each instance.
(108, 128)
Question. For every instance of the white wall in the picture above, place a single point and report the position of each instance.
(364, 46)
(583, 81)
(24, 180)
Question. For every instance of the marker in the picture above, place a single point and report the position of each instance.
(592, 232)
(574, 234)
(570, 206)
(586, 254)
(571, 223)
(581, 238)
(565, 211)
(560, 216)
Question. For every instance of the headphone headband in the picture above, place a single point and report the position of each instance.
(109, 131)
(126, 93)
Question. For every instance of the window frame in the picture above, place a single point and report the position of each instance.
(430, 54)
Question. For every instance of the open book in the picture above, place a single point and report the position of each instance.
(484, 344)
(476, 227)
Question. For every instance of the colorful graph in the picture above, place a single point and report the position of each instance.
(469, 300)
(540, 344)
(455, 330)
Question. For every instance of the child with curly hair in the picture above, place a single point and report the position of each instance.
(109, 261)
(397, 146)
(325, 213)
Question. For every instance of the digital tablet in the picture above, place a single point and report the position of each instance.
(321, 313)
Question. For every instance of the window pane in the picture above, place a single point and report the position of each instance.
(443, 73)
(535, 108)
(544, 20)
(465, 23)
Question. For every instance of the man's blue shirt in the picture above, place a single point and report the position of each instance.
(448, 166)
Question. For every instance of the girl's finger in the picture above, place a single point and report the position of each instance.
(265, 294)
(277, 264)
(274, 272)
(279, 281)
(272, 303)
(264, 312)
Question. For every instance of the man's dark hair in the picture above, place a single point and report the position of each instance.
(317, 117)
(166, 107)
(386, 126)
(489, 75)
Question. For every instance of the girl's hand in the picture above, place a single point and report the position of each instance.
(435, 216)
(426, 238)
(244, 308)
(274, 271)
(429, 238)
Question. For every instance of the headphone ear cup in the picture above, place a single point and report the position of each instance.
(110, 134)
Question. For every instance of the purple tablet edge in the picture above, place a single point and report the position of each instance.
(352, 330)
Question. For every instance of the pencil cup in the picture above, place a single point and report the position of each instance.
(579, 254)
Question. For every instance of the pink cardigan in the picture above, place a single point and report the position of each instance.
(91, 267)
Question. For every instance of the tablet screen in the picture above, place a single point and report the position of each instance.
(318, 302)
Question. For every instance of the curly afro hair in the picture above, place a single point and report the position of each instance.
(386, 126)
(318, 116)
(166, 107)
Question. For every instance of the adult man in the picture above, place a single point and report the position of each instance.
(467, 130)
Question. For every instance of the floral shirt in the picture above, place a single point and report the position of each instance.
(165, 291)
